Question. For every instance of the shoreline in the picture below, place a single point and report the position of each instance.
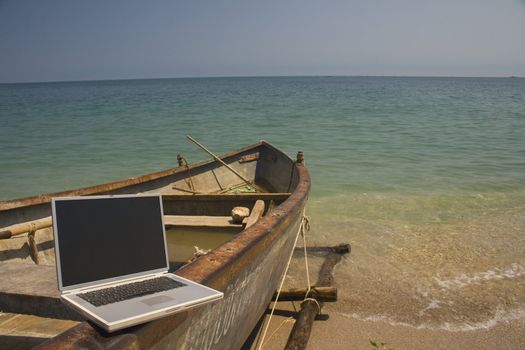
(340, 329)
(340, 332)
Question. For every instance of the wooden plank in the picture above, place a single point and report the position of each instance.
(32, 289)
(34, 326)
(342, 248)
(5, 317)
(325, 294)
(11, 342)
(21, 332)
(249, 157)
(200, 221)
(257, 212)
(29, 279)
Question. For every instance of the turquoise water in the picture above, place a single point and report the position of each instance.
(424, 176)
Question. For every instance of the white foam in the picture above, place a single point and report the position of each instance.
(500, 316)
(434, 304)
(463, 280)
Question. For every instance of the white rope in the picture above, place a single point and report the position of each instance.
(309, 287)
(301, 228)
(306, 227)
(289, 319)
(316, 303)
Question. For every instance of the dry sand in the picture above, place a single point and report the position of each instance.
(341, 332)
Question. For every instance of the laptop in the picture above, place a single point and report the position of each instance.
(112, 261)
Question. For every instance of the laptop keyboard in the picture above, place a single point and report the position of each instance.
(130, 290)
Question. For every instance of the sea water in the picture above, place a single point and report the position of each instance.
(425, 177)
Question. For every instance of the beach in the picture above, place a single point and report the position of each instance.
(339, 332)
(413, 293)
(397, 128)
(378, 311)
(424, 177)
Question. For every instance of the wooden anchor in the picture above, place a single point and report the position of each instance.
(311, 306)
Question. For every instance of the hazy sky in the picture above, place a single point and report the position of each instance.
(79, 40)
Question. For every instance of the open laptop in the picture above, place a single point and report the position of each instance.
(112, 261)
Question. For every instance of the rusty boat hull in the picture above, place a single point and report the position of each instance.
(247, 268)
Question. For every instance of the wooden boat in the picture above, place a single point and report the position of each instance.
(247, 267)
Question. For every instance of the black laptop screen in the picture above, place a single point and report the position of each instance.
(101, 238)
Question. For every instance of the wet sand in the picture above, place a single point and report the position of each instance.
(341, 332)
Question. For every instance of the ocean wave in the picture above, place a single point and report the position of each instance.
(513, 271)
(501, 315)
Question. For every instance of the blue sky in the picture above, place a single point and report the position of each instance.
(84, 40)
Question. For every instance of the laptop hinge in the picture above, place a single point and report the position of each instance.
(114, 283)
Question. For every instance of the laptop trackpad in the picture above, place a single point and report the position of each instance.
(159, 299)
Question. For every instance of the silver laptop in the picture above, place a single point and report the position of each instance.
(112, 261)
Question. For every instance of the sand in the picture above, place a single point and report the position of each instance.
(342, 332)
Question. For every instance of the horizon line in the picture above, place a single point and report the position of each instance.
(266, 76)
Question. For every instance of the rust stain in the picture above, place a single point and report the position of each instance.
(249, 158)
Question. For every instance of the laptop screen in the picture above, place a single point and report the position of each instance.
(107, 237)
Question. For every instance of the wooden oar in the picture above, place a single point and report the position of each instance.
(218, 159)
